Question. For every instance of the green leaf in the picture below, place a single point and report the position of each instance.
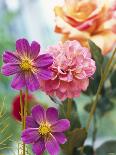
(113, 80)
(107, 148)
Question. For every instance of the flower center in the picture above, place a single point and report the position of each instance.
(26, 64)
(44, 129)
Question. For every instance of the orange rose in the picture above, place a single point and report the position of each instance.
(87, 19)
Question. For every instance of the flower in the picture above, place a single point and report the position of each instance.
(45, 131)
(16, 109)
(27, 65)
(83, 19)
(71, 69)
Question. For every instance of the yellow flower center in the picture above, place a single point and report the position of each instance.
(44, 129)
(26, 64)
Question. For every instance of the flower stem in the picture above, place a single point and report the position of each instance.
(69, 108)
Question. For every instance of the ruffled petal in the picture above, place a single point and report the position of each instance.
(60, 137)
(38, 147)
(23, 47)
(35, 49)
(10, 57)
(18, 81)
(38, 114)
(30, 122)
(32, 82)
(44, 60)
(10, 69)
(52, 146)
(44, 74)
(30, 135)
(61, 125)
(52, 115)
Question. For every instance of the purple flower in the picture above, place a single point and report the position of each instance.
(45, 131)
(27, 65)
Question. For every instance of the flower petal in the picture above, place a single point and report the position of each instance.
(39, 147)
(60, 137)
(10, 57)
(44, 74)
(38, 114)
(10, 69)
(52, 146)
(61, 125)
(44, 60)
(18, 81)
(30, 135)
(22, 47)
(52, 115)
(32, 82)
(35, 49)
(30, 122)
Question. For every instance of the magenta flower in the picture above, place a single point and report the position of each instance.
(45, 131)
(72, 68)
(27, 65)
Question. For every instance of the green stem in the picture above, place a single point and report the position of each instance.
(69, 108)
(25, 107)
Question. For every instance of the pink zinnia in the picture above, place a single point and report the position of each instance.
(71, 69)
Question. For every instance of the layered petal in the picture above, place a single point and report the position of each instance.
(38, 147)
(31, 123)
(30, 135)
(52, 115)
(60, 137)
(38, 113)
(61, 125)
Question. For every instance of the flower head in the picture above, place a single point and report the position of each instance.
(71, 69)
(87, 19)
(45, 131)
(27, 65)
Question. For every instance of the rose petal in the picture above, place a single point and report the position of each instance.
(18, 81)
(10, 57)
(35, 49)
(30, 135)
(30, 122)
(44, 74)
(38, 147)
(44, 60)
(22, 47)
(52, 115)
(60, 137)
(52, 146)
(61, 125)
(38, 114)
(10, 69)
(32, 82)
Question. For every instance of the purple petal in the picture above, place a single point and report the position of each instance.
(10, 57)
(44, 74)
(44, 60)
(60, 137)
(30, 135)
(35, 49)
(52, 146)
(32, 82)
(61, 125)
(10, 69)
(38, 113)
(39, 147)
(52, 115)
(30, 122)
(22, 47)
(18, 81)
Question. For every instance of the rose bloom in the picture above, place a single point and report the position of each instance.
(72, 67)
(87, 19)
(45, 131)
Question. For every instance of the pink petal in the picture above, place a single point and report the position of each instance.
(35, 49)
(10, 57)
(52, 115)
(38, 147)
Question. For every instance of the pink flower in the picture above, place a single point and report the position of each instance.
(71, 69)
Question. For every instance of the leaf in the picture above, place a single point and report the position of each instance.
(113, 80)
(107, 148)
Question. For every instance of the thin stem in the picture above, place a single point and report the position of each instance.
(69, 108)
(25, 107)
(21, 105)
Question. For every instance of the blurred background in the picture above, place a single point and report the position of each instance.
(35, 20)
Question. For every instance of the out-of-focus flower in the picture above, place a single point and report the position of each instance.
(27, 64)
(45, 131)
(87, 19)
(71, 69)
(16, 108)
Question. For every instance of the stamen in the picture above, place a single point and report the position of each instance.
(44, 129)
(26, 64)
